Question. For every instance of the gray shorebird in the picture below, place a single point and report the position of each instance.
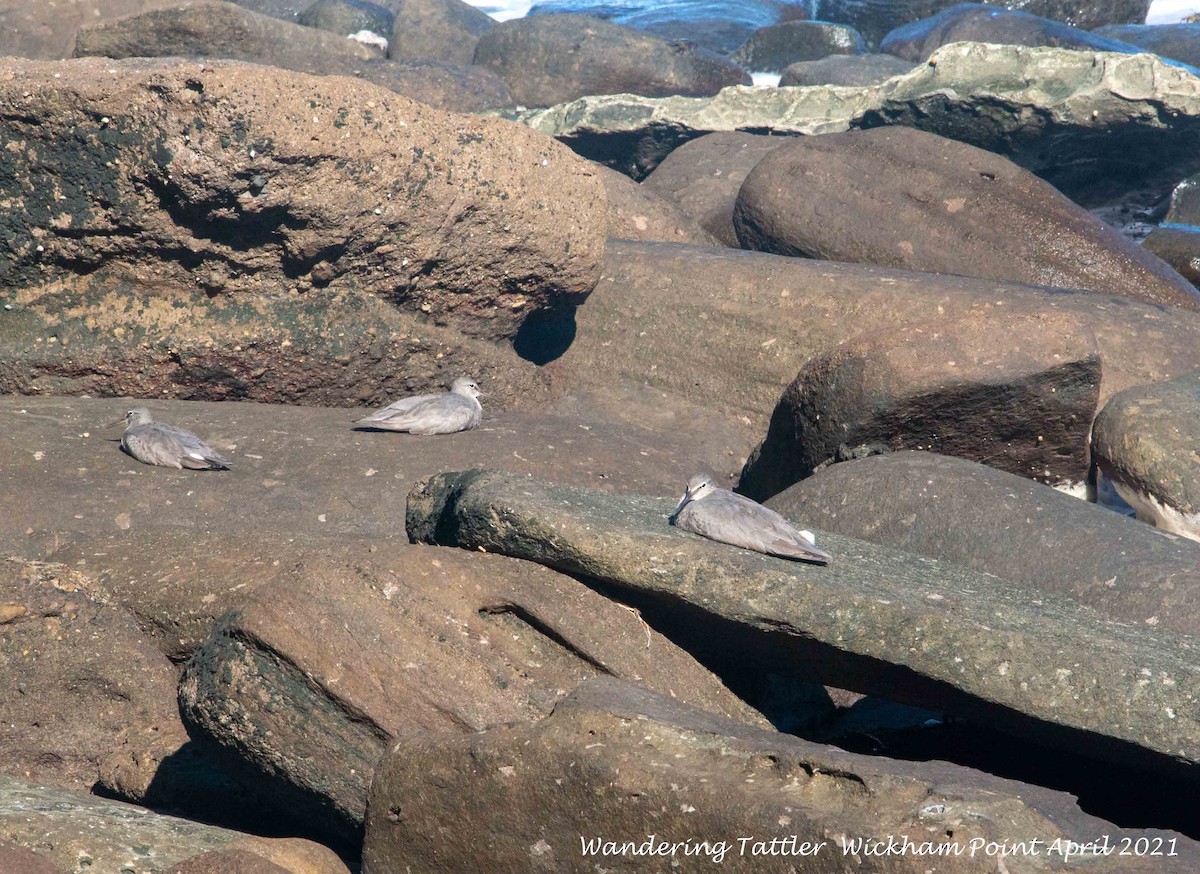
(445, 413)
(165, 445)
(721, 515)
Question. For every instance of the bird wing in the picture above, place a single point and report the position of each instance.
(186, 448)
(426, 414)
(734, 519)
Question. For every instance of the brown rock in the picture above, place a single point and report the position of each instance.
(308, 684)
(858, 71)
(636, 213)
(21, 861)
(446, 30)
(452, 87)
(1018, 394)
(704, 176)
(770, 49)
(228, 862)
(549, 59)
(240, 178)
(47, 31)
(900, 197)
(617, 763)
(1178, 246)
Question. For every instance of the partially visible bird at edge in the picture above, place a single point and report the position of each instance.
(727, 517)
(444, 413)
(165, 445)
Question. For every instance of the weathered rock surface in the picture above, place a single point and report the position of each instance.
(18, 859)
(1179, 246)
(1184, 205)
(47, 31)
(770, 49)
(900, 197)
(443, 29)
(550, 59)
(227, 862)
(874, 620)
(718, 25)
(73, 832)
(728, 330)
(612, 758)
(347, 17)
(637, 213)
(1015, 393)
(1145, 442)
(1180, 42)
(982, 22)
(856, 71)
(704, 176)
(990, 521)
(308, 684)
(258, 180)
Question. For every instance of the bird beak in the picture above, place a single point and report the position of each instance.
(687, 496)
(119, 421)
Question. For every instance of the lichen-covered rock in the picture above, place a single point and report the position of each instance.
(241, 179)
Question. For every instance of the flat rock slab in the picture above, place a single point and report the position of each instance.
(75, 832)
(309, 682)
(614, 763)
(233, 178)
(993, 522)
(875, 620)
(299, 470)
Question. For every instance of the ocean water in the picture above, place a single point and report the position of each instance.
(1161, 11)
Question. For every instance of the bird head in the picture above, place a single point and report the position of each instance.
(136, 416)
(464, 385)
(698, 487)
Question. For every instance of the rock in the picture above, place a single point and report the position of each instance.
(1179, 42)
(1184, 205)
(42, 30)
(452, 87)
(613, 757)
(445, 30)
(770, 49)
(717, 25)
(990, 521)
(874, 620)
(1016, 393)
(17, 859)
(348, 17)
(554, 58)
(900, 197)
(73, 831)
(1179, 246)
(1103, 117)
(1144, 441)
(310, 682)
(854, 71)
(285, 10)
(637, 213)
(227, 862)
(704, 176)
(981, 22)
(875, 20)
(727, 331)
(220, 173)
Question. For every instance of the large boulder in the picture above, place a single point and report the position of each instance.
(1179, 246)
(45, 31)
(993, 522)
(446, 30)
(1145, 442)
(550, 59)
(349, 18)
(617, 774)
(1180, 42)
(1184, 205)
(874, 620)
(636, 213)
(854, 71)
(704, 176)
(310, 682)
(900, 197)
(73, 831)
(241, 179)
(770, 49)
(981, 22)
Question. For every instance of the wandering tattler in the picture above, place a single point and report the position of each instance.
(165, 445)
(445, 413)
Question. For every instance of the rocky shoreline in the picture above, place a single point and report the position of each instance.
(921, 298)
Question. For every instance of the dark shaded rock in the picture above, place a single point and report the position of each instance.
(22, 861)
(770, 49)
(990, 521)
(1145, 442)
(550, 59)
(308, 684)
(444, 30)
(982, 22)
(1015, 393)
(874, 620)
(348, 17)
(900, 197)
(47, 31)
(857, 71)
(1179, 246)
(219, 177)
(1180, 42)
(637, 213)
(1184, 206)
(718, 25)
(704, 176)
(285, 10)
(613, 758)
(74, 831)
(874, 20)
